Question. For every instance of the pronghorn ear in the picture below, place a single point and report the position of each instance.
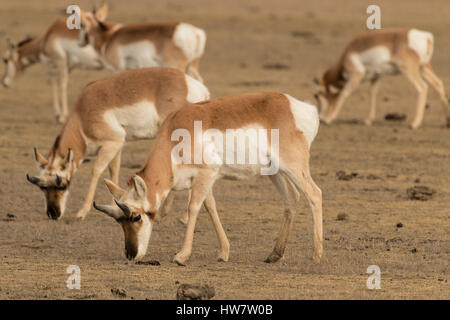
(102, 12)
(115, 190)
(40, 159)
(140, 188)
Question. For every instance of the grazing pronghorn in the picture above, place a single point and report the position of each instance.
(376, 53)
(296, 123)
(59, 51)
(130, 105)
(122, 47)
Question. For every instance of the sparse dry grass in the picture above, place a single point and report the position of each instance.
(243, 36)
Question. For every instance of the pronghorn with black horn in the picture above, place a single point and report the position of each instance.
(274, 126)
(122, 47)
(373, 54)
(130, 105)
(59, 51)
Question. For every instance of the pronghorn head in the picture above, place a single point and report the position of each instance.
(54, 180)
(132, 212)
(11, 60)
(326, 97)
(92, 26)
(14, 61)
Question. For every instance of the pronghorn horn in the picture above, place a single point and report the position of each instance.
(126, 211)
(111, 211)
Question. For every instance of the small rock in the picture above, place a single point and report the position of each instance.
(276, 66)
(414, 250)
(342, 175)
(421, 193)
(399, 225)
(342, 216)
(149, 263)
(395, 117)
(119, 292)
(195, 292)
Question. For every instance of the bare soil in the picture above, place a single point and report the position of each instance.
(256, 45)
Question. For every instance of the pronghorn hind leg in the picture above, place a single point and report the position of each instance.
(106, 154)
(200, 189)
(64, 78)
(185, 217)
(55, 92)
(436, 83)
(210, 205)
(193, 70)
(412, 73)
(374, 86)
(290, 197)
(297, 170)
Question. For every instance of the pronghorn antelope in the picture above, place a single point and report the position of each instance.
(58, 50)
(122, 47)
(130, 105)
(374, 54)
(296, 123)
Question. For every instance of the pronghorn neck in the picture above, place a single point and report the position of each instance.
(101, 38)
(334, 77)
(70, 137)
(158, 175)
(28, 53)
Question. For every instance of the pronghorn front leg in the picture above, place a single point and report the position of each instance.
(107, 152)
(210, 205)
(200, 189)
(352, 83)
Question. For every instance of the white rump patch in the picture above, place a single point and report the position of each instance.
(197, 91)
(190, 39)
(306, 118)
(418, 41)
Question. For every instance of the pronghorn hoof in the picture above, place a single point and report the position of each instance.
(182, 264)
(368, 122)
(222, 259)
(182, 221)
(414, 126)
(273, 257)
(325, 122)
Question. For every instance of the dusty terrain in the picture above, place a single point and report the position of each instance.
(245, 38)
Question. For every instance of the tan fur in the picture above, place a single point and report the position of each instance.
(107, 38)
(345, 76)
(268, 110)
(166, 88)
(44, 49)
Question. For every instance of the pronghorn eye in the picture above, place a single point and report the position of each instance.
(136, 219)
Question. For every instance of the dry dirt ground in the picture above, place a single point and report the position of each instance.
(244, 39)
